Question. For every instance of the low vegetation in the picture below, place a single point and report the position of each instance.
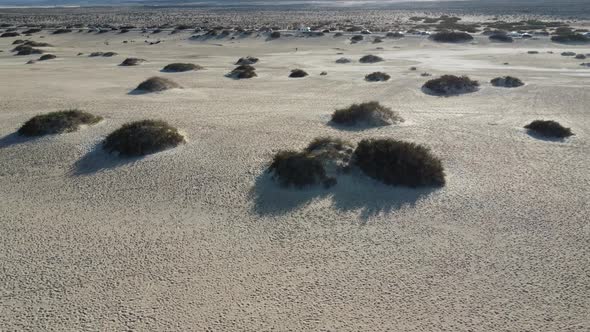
(377, 77)
(451, 37)
(180, 67)
(451, 85)
(394, 35)
(60, 31)
(370, 59)
(9, 34)
(343, 60)
(243, 72)
(297, 169)
(249, 60)
(573, 38)
(401, 163)
(549, 128)
(368, 114)
(132, 62)
(143, 137)
(57, 123)
(27, 50)
(47, 57)
(297, 73)
(507, 82)
(501, 38)
(155, 84)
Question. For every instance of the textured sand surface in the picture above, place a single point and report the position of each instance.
(198, 238)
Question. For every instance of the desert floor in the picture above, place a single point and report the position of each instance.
(200, 238)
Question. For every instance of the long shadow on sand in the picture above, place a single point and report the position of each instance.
(98, 160)
(353, 192)
(538, 136)
(15, 139)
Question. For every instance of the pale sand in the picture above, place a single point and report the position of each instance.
(198, 238)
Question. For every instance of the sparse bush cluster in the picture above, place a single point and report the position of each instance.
(142, 138)
(386, 160)
(180, 67)
(507, 82)
(57, 123)
(549, 128)
(451, 85)
(369, 114)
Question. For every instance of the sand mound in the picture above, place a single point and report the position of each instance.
(142, 137)
(57, 122)
(155, 84)
(399, 163)
(370, 114)
(507, 82)
(549, 128)
(451, 85)
(377, 77)
(180, 67)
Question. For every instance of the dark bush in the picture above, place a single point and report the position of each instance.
(28, 50)
(243, 71)
(369, 113)
(399, 163)
(549, 128)
(109, 54)
(142, 137)
(451, 37)
(103, 54)
(296, 73)
(132, 62)
(275, 35)
(370, 59)
(180, 67)
(57, 123)
(568, 53)
(18, 42)
(343, 60)
(377, 77)
(574, 38)
(356, 38)
(60, 31)
(10, 34)
(33, 43)
(338, 34)
(249, 60)
(451, 85)
(298, 169)
(154, 84)
(502, 38)
(377, 40)
(394, 35)
(47, 57)
(580, 56)
(30, 31)
(507, 82)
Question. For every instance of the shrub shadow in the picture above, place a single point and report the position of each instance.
(15, 139)
(98, 160)
(541, 137)
(362, 126)
(353, 192)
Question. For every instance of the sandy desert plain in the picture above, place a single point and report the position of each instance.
(201, 238)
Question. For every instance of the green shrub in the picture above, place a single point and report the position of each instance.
(154, 84)
(180, 67)
(142, 138)
(57, 122)
(377, 77)
(451, 85)
(507, 82)
(399, 163)
(369, 113)
(549, 128)
(451, 37)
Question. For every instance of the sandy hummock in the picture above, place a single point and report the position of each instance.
(199, 237)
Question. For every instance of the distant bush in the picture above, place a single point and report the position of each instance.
(451, 37)
(533, 52)
(549, 128)
(343, 60)
(377, 40)
(356, 38)
(507, 82)
(154, 84)
(580, 56)
(132, 62)
(399, 163)
(143, 137)
(60, 31)
(18, 42)
(10, 34)
(451, 84)
(377, 77)
(243, 72)
(30, 31)
(338, 34)
(47, 57)
(180, 67)
(275, 35)
(394, 35)
(369, 113)
(568, 53)
(28, 50)
(370, 59)
(103, 54)
(57, 123)
(296, 73)
(573, 38)
(109, 54)
(502, 38)
(249, 60)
